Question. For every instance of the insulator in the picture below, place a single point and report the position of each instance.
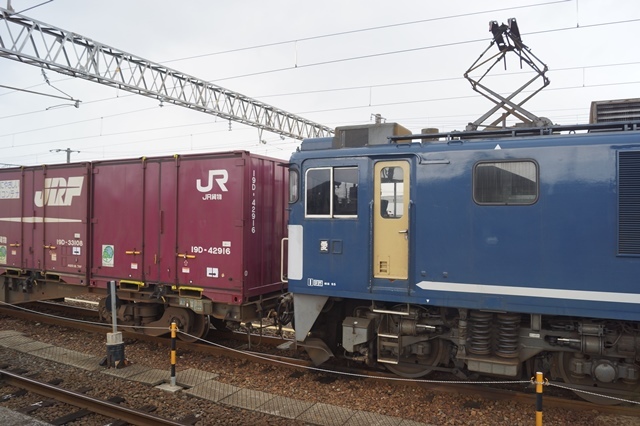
(508, 335)
(481, 332)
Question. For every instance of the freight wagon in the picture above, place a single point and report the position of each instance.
(186, 238)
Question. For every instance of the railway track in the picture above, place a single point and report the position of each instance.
(524, 393)
(90, 315)
(87, 405)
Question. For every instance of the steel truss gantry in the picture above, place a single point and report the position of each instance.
(36, 43)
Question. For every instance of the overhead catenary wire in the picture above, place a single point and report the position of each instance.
(191, 125)
(415, 49)
(32, 7)
(353, 58)
(219, 147)
(400, 102)
(400, 51)
(392, 84)
(294, 41)
(361, 30)
(36, 93)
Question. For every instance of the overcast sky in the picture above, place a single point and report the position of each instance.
(333, 62)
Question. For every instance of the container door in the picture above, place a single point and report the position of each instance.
(153, 221)
(391, 220)
(118, 220)
(210, 224)
(168, 221)
(60, 220)
(12, 207)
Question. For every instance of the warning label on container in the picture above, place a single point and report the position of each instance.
(3, 255)
(9, 189)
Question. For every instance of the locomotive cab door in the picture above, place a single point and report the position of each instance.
(391, 222)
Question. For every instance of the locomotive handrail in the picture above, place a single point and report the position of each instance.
(514, 132)
(283, 277)
(387, 311)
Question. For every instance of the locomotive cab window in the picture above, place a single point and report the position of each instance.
(331, 192)
(505, 183)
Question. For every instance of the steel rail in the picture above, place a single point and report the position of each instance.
(94, 405)
(105, 328)
(446, 385)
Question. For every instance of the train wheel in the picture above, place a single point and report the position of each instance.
(616, 389)
(197, 328)
(413, 367)
(103, 312)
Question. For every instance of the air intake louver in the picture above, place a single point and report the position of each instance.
(629, 203)
(612, 111)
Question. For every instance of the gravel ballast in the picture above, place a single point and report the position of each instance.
(390, 399)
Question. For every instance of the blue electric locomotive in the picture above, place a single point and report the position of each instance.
(494, 253)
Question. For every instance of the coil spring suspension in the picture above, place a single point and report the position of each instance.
(508, 335)
(481, 333)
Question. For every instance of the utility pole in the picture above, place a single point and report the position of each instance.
(68, 151)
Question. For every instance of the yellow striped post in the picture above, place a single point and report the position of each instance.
(174, 329)
(539, 381)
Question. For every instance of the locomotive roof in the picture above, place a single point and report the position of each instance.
(521, 131)
(513, 137)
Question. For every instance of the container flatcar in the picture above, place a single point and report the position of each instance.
(186, 238)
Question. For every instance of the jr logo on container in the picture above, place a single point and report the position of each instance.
(59, 191)
(220, 177)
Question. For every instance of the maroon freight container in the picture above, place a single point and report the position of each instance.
(44, 222)
(209, 225)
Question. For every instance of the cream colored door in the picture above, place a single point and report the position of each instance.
(391, 220)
